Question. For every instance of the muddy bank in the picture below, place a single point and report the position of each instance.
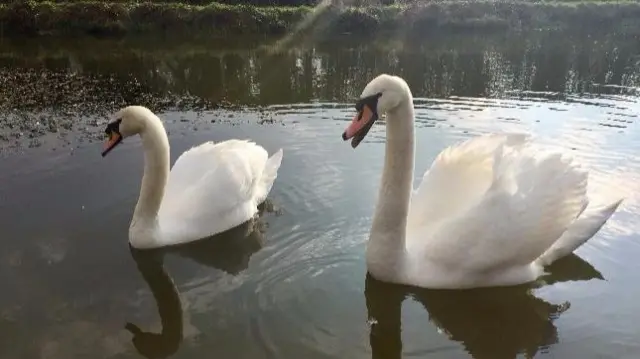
(215, 19)
(40, 105)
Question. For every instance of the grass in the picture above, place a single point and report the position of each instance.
(105, 18)
(118, 18)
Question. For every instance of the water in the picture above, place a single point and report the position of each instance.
(296, 287)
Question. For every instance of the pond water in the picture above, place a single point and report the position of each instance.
(293, 284)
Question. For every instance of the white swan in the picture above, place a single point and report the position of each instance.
(491, 211)
(211, 188)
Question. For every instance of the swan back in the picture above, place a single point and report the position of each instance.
(215, 187)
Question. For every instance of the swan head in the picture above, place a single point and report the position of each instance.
(129, 121)
(381, 95)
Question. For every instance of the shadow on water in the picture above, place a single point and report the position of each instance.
(491, 323)
(229, 251)
(165, 293)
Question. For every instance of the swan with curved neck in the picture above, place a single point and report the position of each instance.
(484, 213)
(210, 189)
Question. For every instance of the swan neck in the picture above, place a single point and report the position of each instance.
(156, 172)
(390, 219)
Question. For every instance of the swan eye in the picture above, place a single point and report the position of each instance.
(113, 127)
(371, 101)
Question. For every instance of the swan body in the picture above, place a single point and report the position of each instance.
(211, 188)
(493, 210)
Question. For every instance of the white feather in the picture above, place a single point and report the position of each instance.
(495, 210)
(215, 187)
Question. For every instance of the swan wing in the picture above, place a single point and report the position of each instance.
(532, 199)
(458, 177)
(215, 187)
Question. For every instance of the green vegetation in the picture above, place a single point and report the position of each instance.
(409, 17)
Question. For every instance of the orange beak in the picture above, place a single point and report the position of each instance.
(360, 126)
(112, 141)
(360, 120)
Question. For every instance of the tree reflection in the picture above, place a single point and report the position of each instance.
(438, 67)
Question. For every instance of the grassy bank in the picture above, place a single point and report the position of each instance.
(117, 18)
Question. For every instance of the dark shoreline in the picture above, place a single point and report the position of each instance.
(68, 86)
(29, 18)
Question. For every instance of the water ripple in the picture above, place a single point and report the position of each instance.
(302, 291)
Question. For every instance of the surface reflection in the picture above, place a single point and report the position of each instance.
(229, 251)
(491, 323)
(243, 72)
(165, 293)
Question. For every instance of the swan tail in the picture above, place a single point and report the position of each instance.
(579, 232)
(269, 176)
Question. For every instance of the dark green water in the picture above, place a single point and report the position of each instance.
(297, 287)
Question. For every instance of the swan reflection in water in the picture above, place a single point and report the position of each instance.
(229, 251)
(495, 323)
